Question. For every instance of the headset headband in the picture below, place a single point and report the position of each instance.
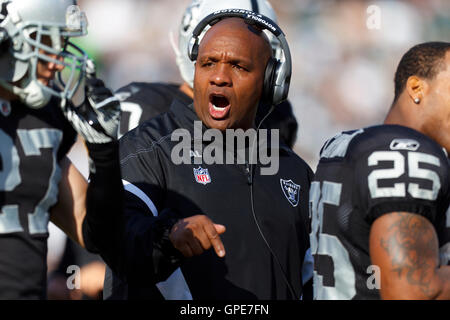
(251, 18)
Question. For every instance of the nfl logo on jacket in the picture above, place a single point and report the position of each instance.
(202, 175)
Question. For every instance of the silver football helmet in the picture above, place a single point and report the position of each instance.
(23, 24)
(199, 9)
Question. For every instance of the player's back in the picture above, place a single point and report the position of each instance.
(141, 101)
(361, 175)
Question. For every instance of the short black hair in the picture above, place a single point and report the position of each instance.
(424, 60)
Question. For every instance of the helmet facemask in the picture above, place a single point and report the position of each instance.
(28, 49)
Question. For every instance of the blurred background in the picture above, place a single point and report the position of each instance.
(344, 57)
(344, 53)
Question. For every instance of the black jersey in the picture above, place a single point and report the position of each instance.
(362, 175)
(32, 142)
(141, 101)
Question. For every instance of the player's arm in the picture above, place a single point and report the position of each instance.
(101, 201)
(405, 247)
(69, 212)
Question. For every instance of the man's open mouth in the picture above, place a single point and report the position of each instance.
(219, 106)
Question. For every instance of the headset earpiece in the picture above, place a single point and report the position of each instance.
(269, 78)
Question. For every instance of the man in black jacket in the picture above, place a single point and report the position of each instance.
(141, 101)
(257, 224)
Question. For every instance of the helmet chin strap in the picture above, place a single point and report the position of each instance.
(32, 93)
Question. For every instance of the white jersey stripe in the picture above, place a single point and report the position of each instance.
(141, 195)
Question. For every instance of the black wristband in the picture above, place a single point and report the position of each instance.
(103, 152)
(162, 227)
(165, 256)
(103, 155)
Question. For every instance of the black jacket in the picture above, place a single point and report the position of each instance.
(160, 192)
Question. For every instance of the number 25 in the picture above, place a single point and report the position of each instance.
(399, 189)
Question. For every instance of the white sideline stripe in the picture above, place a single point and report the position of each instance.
(175, 287)
(141, 195)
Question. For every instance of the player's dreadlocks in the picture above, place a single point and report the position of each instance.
(424, 60)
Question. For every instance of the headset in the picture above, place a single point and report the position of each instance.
(277, 76)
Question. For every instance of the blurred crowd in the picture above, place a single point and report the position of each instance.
(343, 62)
(344, 53)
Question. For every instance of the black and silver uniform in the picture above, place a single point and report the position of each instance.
(362, 175)
(32, 143)
(141, 101)
(157, 188)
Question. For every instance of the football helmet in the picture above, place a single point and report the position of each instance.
(23, 24)
(199, 9)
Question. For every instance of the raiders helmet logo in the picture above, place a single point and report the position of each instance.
(291, 191)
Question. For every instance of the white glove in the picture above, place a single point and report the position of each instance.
(97, 119)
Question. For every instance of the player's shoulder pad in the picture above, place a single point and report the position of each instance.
(337, 146)
(395, 138)
(146, 89)
(353, 144)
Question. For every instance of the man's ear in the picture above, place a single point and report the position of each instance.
(416, 88)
